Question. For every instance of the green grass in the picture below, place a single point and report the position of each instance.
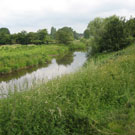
(16, 57)
(77, 45)
(99, 99)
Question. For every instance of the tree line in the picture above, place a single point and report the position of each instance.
(63, 35)
(110, 34)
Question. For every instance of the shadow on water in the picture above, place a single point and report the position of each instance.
(25, 79)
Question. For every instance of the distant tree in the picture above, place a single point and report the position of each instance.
(5, 37)
(42, 34)
(76, 35)
(86, 34)
(13, 38)
(65, 35)
(4, 31)
(21, 38)
(32, 37)
(53, 33)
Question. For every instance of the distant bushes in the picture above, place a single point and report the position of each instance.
(63, 35)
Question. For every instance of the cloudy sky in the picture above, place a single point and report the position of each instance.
(31, 15)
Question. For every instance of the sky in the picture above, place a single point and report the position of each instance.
(32, 15)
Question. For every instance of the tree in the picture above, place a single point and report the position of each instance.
(42, 34)
(5, 36)
(21, 38)
(94, 31)
(65, 35)
(130, 25)
(4, 31)
(115, 36)
(53, 33)
(86, 34)
(108, 34)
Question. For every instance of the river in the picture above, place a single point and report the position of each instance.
(26, 79)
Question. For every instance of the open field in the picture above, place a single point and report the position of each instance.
(16, 57)
(97, 100)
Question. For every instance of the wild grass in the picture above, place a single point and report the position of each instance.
(16, 57)
(99, 99)
(77, 45)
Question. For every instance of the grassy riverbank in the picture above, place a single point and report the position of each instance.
(16, 57)
(97, 100)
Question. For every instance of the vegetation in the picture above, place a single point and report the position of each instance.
(16, 57)
(97, 100)
(63, 35)
(4, 36)
(77, 45)
(110, 34)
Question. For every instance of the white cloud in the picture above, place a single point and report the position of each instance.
(31, 15)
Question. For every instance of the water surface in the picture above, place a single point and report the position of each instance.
(24, 80)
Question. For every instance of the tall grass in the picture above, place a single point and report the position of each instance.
(16, 57)
(77, 45)
(99, 99)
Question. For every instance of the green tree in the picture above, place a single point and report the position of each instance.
(4, 31)
(53, 33)
(76, 35)
(109, 34)
(5, 36)
(65, 35)
(86, 34)
(115, 36)
(21, 38)
(42, 34)
(130, 25)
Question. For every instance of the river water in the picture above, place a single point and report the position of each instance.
(26, 79)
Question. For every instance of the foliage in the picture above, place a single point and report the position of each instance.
(17, 57)
(53, 33)
(77, 45)
(130, 29)
(97, 100)
(115, 36)
(4, 36)
(24, 38)
(77, 36)
(109, 34)
(64, 35)
(86, 34)
(4, 31)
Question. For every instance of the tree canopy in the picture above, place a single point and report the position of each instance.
(109, 34)
(65, 35)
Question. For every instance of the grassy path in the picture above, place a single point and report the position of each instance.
(97, 100)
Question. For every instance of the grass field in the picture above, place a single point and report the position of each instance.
(99, 99)
(16, 57)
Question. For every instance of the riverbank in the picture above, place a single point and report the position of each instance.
(99, 99)
(17, 57)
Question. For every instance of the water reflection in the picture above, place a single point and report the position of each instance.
(26, 79)
(66, 60)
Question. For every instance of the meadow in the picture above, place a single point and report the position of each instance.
(16, 57)
(99, 99)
